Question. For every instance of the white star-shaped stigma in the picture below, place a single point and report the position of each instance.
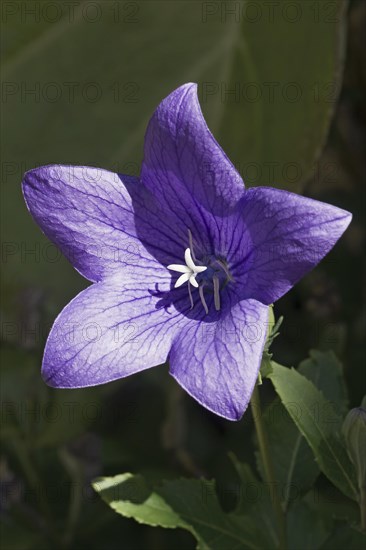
(190, 270)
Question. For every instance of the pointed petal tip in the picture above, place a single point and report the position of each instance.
(33, 179)
(34, 173)
(232, 414)
(342, 219)
(348, 216)
(222, 367)
(48, 376)
(202, 169)
(52, 376)
(27, 180)
(188, 86)
(73, 359)
(301, 231)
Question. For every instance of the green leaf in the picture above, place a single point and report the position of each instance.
(317, 420)
(345, 536)
(331, 504)
(306, 530)
(186, 503)
(273, 328)
(293, 461)
(272, 333)
(325, 371)
(31, 409)
(255, 498)
(286, 126)
(93, 105)
(266, 366)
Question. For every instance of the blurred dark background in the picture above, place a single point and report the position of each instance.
(283, 90)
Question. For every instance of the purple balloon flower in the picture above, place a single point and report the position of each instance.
(185, 261)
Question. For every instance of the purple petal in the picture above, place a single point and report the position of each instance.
(164, 229)
(286, 235)
(107, 332)
(218, 363)
(189, 185)
(183, 163)
(87, 212)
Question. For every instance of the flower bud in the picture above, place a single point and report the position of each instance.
(354, 430)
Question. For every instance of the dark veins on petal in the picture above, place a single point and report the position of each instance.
(217, 243)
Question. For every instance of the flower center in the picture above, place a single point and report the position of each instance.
(212, 276)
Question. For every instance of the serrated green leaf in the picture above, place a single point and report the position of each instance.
(129, 495)
(325, 371)
(185, 503)
(293, 460)
(317, 420)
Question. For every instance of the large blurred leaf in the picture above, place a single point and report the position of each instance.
(345, 536)
(20, 537)
(43, 416)
(305, 528)
(186, 503)
(66, 414)
(286, 73)
(317, 420)
(21, 393)
(331, 504)
(81, 89)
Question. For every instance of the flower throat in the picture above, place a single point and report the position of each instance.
(213, 275)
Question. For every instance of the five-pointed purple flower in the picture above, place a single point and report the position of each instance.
(185, 261)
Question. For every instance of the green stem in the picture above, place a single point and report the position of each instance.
(268, 466)
(75, 471)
